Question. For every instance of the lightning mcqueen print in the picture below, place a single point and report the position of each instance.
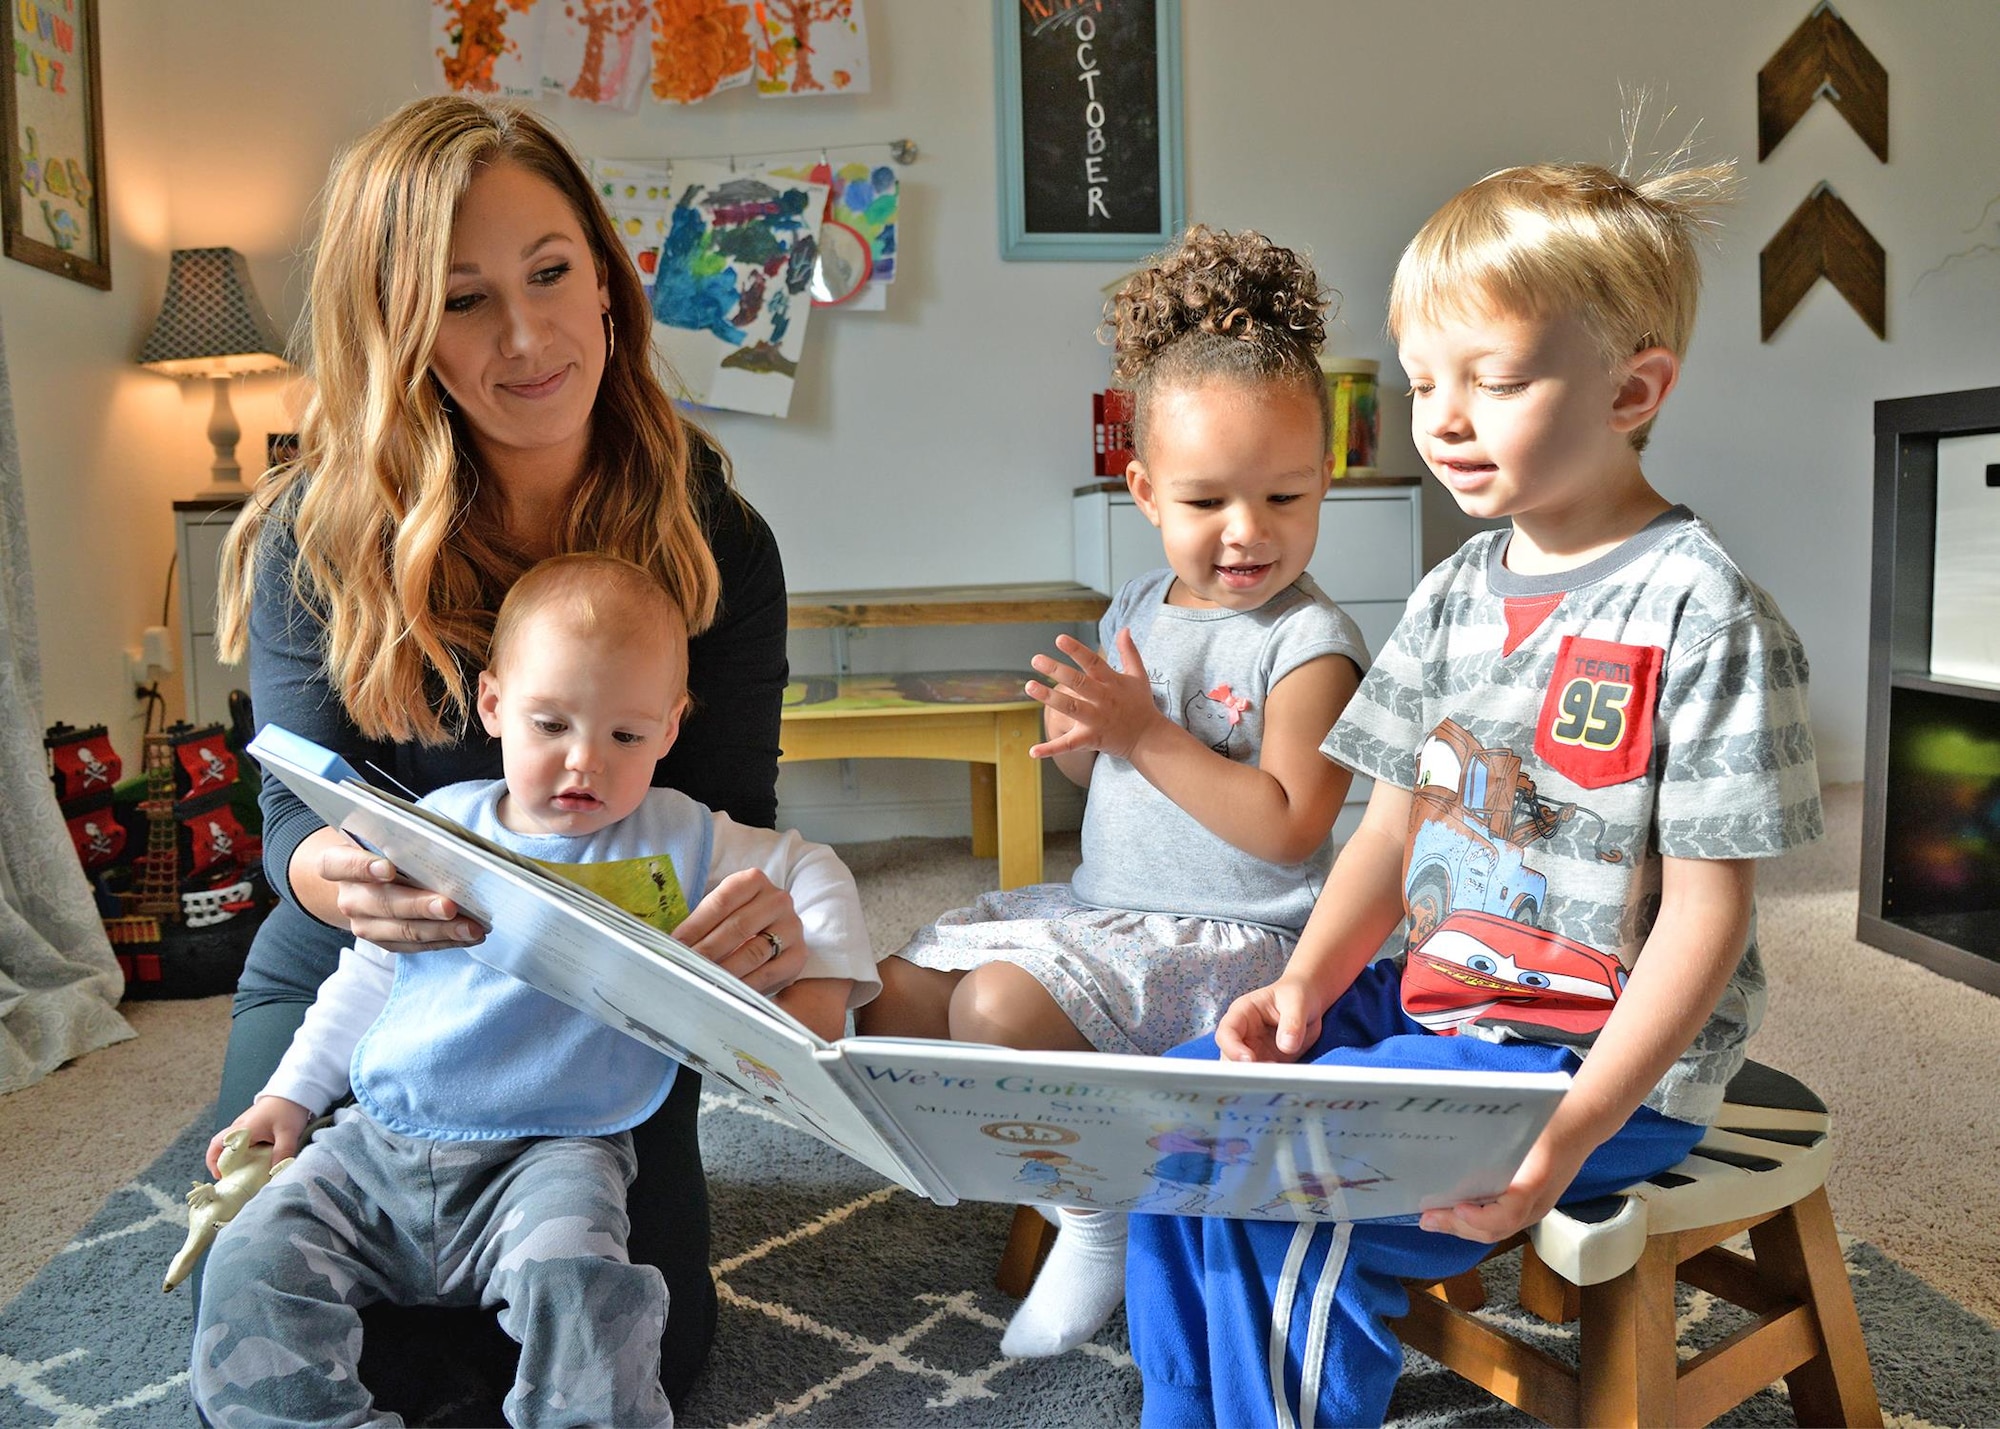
(1479, 967)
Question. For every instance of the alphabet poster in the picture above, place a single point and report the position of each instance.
(730, 299)
(55, 204)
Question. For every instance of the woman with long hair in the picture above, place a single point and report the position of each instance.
(482, 395)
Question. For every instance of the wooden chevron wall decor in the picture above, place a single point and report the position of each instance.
(1823, 238)
(1823, 57)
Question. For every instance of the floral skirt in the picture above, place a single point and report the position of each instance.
(1129, 982)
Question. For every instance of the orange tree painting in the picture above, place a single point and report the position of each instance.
(477, 30)
(697, 45)
(788, 27)
(600, 20)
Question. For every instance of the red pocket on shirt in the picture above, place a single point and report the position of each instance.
(1596, 726)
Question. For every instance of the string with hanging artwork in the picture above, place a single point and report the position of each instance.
(736, 251)
(616, 52)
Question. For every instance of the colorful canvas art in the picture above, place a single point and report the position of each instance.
(811, 47)
(489, 46)
(864, 192)
(701, 47)
(596, 51)
(636, 193)
(730, 300)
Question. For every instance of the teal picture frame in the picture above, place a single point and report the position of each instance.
(1025, 236)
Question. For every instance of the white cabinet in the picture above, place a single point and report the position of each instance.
(199, 527)
(1369, 557)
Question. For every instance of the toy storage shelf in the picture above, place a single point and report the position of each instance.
(1930, 840)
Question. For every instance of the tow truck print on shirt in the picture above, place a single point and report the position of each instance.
(1477, 952)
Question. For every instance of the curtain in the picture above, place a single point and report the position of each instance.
(59, 984)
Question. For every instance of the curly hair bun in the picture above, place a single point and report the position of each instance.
(1238, 286)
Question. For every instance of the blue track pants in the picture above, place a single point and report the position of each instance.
(1267, 1323)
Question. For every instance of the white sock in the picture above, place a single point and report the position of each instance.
(1079, 1287)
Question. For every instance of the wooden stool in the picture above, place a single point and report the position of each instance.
(1612, 1264)
(979, 717)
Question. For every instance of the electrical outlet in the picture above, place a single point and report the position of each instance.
(141, 671)
(157, 649)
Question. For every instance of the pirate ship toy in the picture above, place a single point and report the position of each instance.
(179, 879)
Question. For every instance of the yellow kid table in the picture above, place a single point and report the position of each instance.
(980, 717)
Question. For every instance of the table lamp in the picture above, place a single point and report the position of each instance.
(212, 325)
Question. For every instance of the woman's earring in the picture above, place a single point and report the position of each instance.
(610, 335)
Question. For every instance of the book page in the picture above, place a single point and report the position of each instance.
(591, 954)
(1257, 1141)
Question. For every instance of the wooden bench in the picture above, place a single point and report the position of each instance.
(979, 717)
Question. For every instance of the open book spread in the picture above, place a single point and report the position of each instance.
(955, 1121)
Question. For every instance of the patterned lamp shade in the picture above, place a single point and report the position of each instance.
(211, 323)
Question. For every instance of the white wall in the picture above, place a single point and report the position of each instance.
(938, 442)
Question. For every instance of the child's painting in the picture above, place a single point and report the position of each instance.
(730, 299)
(636, 193)
(864, 192)
(811, 47)
(866, 196)
(490, 46)
(701, 47)
(596, 50)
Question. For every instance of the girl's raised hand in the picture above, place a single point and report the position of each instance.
(1091, 705)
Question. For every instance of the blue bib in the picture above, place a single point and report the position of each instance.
(462, 1052)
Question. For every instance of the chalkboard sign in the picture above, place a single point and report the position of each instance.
(1090, 127)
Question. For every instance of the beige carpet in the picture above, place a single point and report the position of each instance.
(1909, 1062)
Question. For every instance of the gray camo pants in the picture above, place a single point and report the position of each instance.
(534, 1227)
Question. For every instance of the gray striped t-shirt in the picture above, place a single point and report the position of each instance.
(1561, 735)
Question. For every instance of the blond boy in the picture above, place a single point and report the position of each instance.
(1583, 732)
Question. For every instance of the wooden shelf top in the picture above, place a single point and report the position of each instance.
(946, 605)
